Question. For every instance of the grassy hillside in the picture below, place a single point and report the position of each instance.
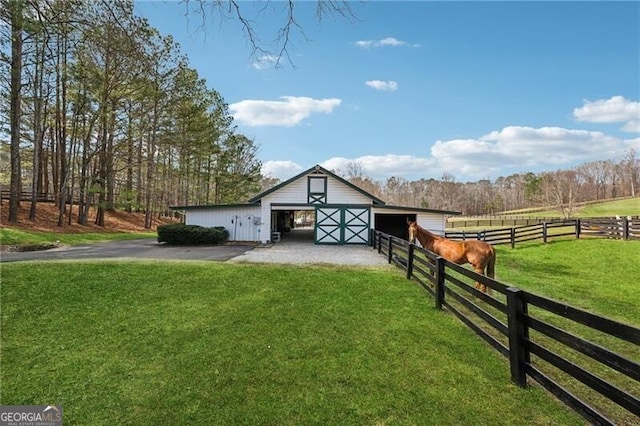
(622, 207)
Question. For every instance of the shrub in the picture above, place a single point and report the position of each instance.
(180, 234)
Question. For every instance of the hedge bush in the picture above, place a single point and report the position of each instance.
(181, 234)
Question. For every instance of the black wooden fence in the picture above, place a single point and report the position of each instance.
(545, 340)
(627, 228)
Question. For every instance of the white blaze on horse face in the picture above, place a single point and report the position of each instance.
(412, 233)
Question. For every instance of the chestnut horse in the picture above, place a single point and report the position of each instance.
(478, 253)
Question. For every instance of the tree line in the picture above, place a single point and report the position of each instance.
(563, 189)
(102, 110)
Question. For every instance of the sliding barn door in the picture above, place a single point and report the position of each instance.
(342, 225)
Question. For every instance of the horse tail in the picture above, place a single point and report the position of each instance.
(491, 267)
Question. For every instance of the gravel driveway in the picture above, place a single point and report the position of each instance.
(297, 247)
(309, 253)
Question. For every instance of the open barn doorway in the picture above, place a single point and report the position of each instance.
(295, 225)
(394, 224)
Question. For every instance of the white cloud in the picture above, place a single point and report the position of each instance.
(513, 149)
(388, 41)
(632, 126)
(382, 167)
(388, 86)
(288, 112)
(526, 148)
(282, 170)
(265, 61)
(616, 109)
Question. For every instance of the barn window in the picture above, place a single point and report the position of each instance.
(317, 190)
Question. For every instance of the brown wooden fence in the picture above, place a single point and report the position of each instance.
(27, 196)
(627, 228)
(495, 221)
(547, 341)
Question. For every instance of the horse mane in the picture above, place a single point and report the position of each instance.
(429, 233)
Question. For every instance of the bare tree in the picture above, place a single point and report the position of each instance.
(631, 166)
(278, 47)
(560, 190)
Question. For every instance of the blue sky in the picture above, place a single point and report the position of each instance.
(476, 90)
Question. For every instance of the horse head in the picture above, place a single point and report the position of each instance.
(413, 231)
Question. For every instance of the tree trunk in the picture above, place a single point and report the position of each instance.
(61, 123)
(110, 172)
(129, 168)
(39, 117)
(14, 108)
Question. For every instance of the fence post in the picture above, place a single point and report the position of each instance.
(390, 254)
(439, 293)
(625, 229)
(544, 232)
(518, 334)
(410, 261)
(578, 229)
(513, 237)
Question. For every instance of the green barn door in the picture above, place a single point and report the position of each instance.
(342, 225)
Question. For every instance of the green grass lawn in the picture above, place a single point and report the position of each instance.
(208, 343)
(599, 275)
(12, 236)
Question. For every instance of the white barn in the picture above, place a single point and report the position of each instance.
(343, 212)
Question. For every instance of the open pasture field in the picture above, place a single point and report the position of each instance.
(178, 343)
(621, 207)
(599, 275)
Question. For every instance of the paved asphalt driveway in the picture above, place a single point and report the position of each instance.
(292, 251)
(147, 248)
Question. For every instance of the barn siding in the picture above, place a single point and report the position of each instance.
(434, 222)
(241, 222)
(296, 192)
(265, 228)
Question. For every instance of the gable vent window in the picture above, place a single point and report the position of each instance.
(317, 192)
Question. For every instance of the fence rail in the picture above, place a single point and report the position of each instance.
(28, 196)
(538, 335)
(495, 221)
(627, 228)
(41, 197)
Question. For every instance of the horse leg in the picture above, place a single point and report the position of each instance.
(480, 270)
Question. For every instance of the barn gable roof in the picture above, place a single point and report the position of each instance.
(317, 169)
